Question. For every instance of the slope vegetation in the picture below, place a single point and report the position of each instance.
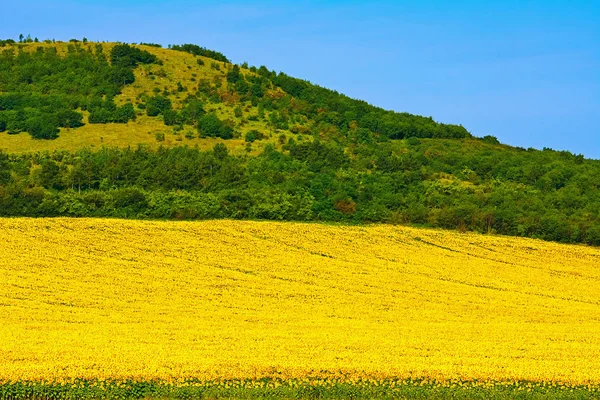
(120, 95)
(138, 131)
(120, 299)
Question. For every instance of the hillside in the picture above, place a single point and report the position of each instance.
(169, 91)
(93, 298)
(138, 131)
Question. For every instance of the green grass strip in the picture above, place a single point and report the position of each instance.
(293, 389)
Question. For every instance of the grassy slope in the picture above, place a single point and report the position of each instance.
(177, 67)
(223, 299)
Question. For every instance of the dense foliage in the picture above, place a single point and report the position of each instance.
(343, 112)
(461, 184)
(41, 91)
(200, 51)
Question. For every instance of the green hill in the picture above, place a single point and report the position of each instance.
(138, 131)
(107, 93)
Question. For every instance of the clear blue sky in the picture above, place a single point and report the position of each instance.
(527, 72)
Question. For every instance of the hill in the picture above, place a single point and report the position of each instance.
(138, 131)
(93, 298)
(122, 95)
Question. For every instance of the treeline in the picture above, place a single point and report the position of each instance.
(42, 91)
(302, 107)
(456, 184)
(343, 112)
(200, 51)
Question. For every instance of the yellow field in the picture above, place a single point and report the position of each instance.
(224, 299)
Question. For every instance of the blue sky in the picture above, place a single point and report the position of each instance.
(527, 72)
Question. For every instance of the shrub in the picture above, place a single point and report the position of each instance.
(253, 135)
(210, 125)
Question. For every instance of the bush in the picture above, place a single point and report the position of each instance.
(238, 112)
(99, 116)
(210, 125)
(127, 56)
(189, 135)
(124, 114)
(253, 135)
(131, 198)
(171, 117)
(413, 141)
(42, 128)
(490, 139)
(157, 105)
(69, 119)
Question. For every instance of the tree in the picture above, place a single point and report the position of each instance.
(100, 116)
(192, 111)
(220, 151)
(157, 105)
(130, 198)
(121, 76)
(253, 135)
(490, 139)
(211, 125)
(237, 111)
(42, 128)
(200, 51)
(50, 174)
(4, 169)
(234, 75)
(124, 114)
(125, 55)
(69, 119)
(171, 117)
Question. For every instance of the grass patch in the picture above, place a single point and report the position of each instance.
(296, 389)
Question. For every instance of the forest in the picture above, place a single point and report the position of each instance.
(464, 185)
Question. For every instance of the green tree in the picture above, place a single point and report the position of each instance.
(42, 128)
(210, 125)
(234, 75)
(157, 105)
(220, 151)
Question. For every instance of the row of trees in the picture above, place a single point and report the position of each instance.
(341, 111)
(465, 185)
(200, 51)
(327, 110)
